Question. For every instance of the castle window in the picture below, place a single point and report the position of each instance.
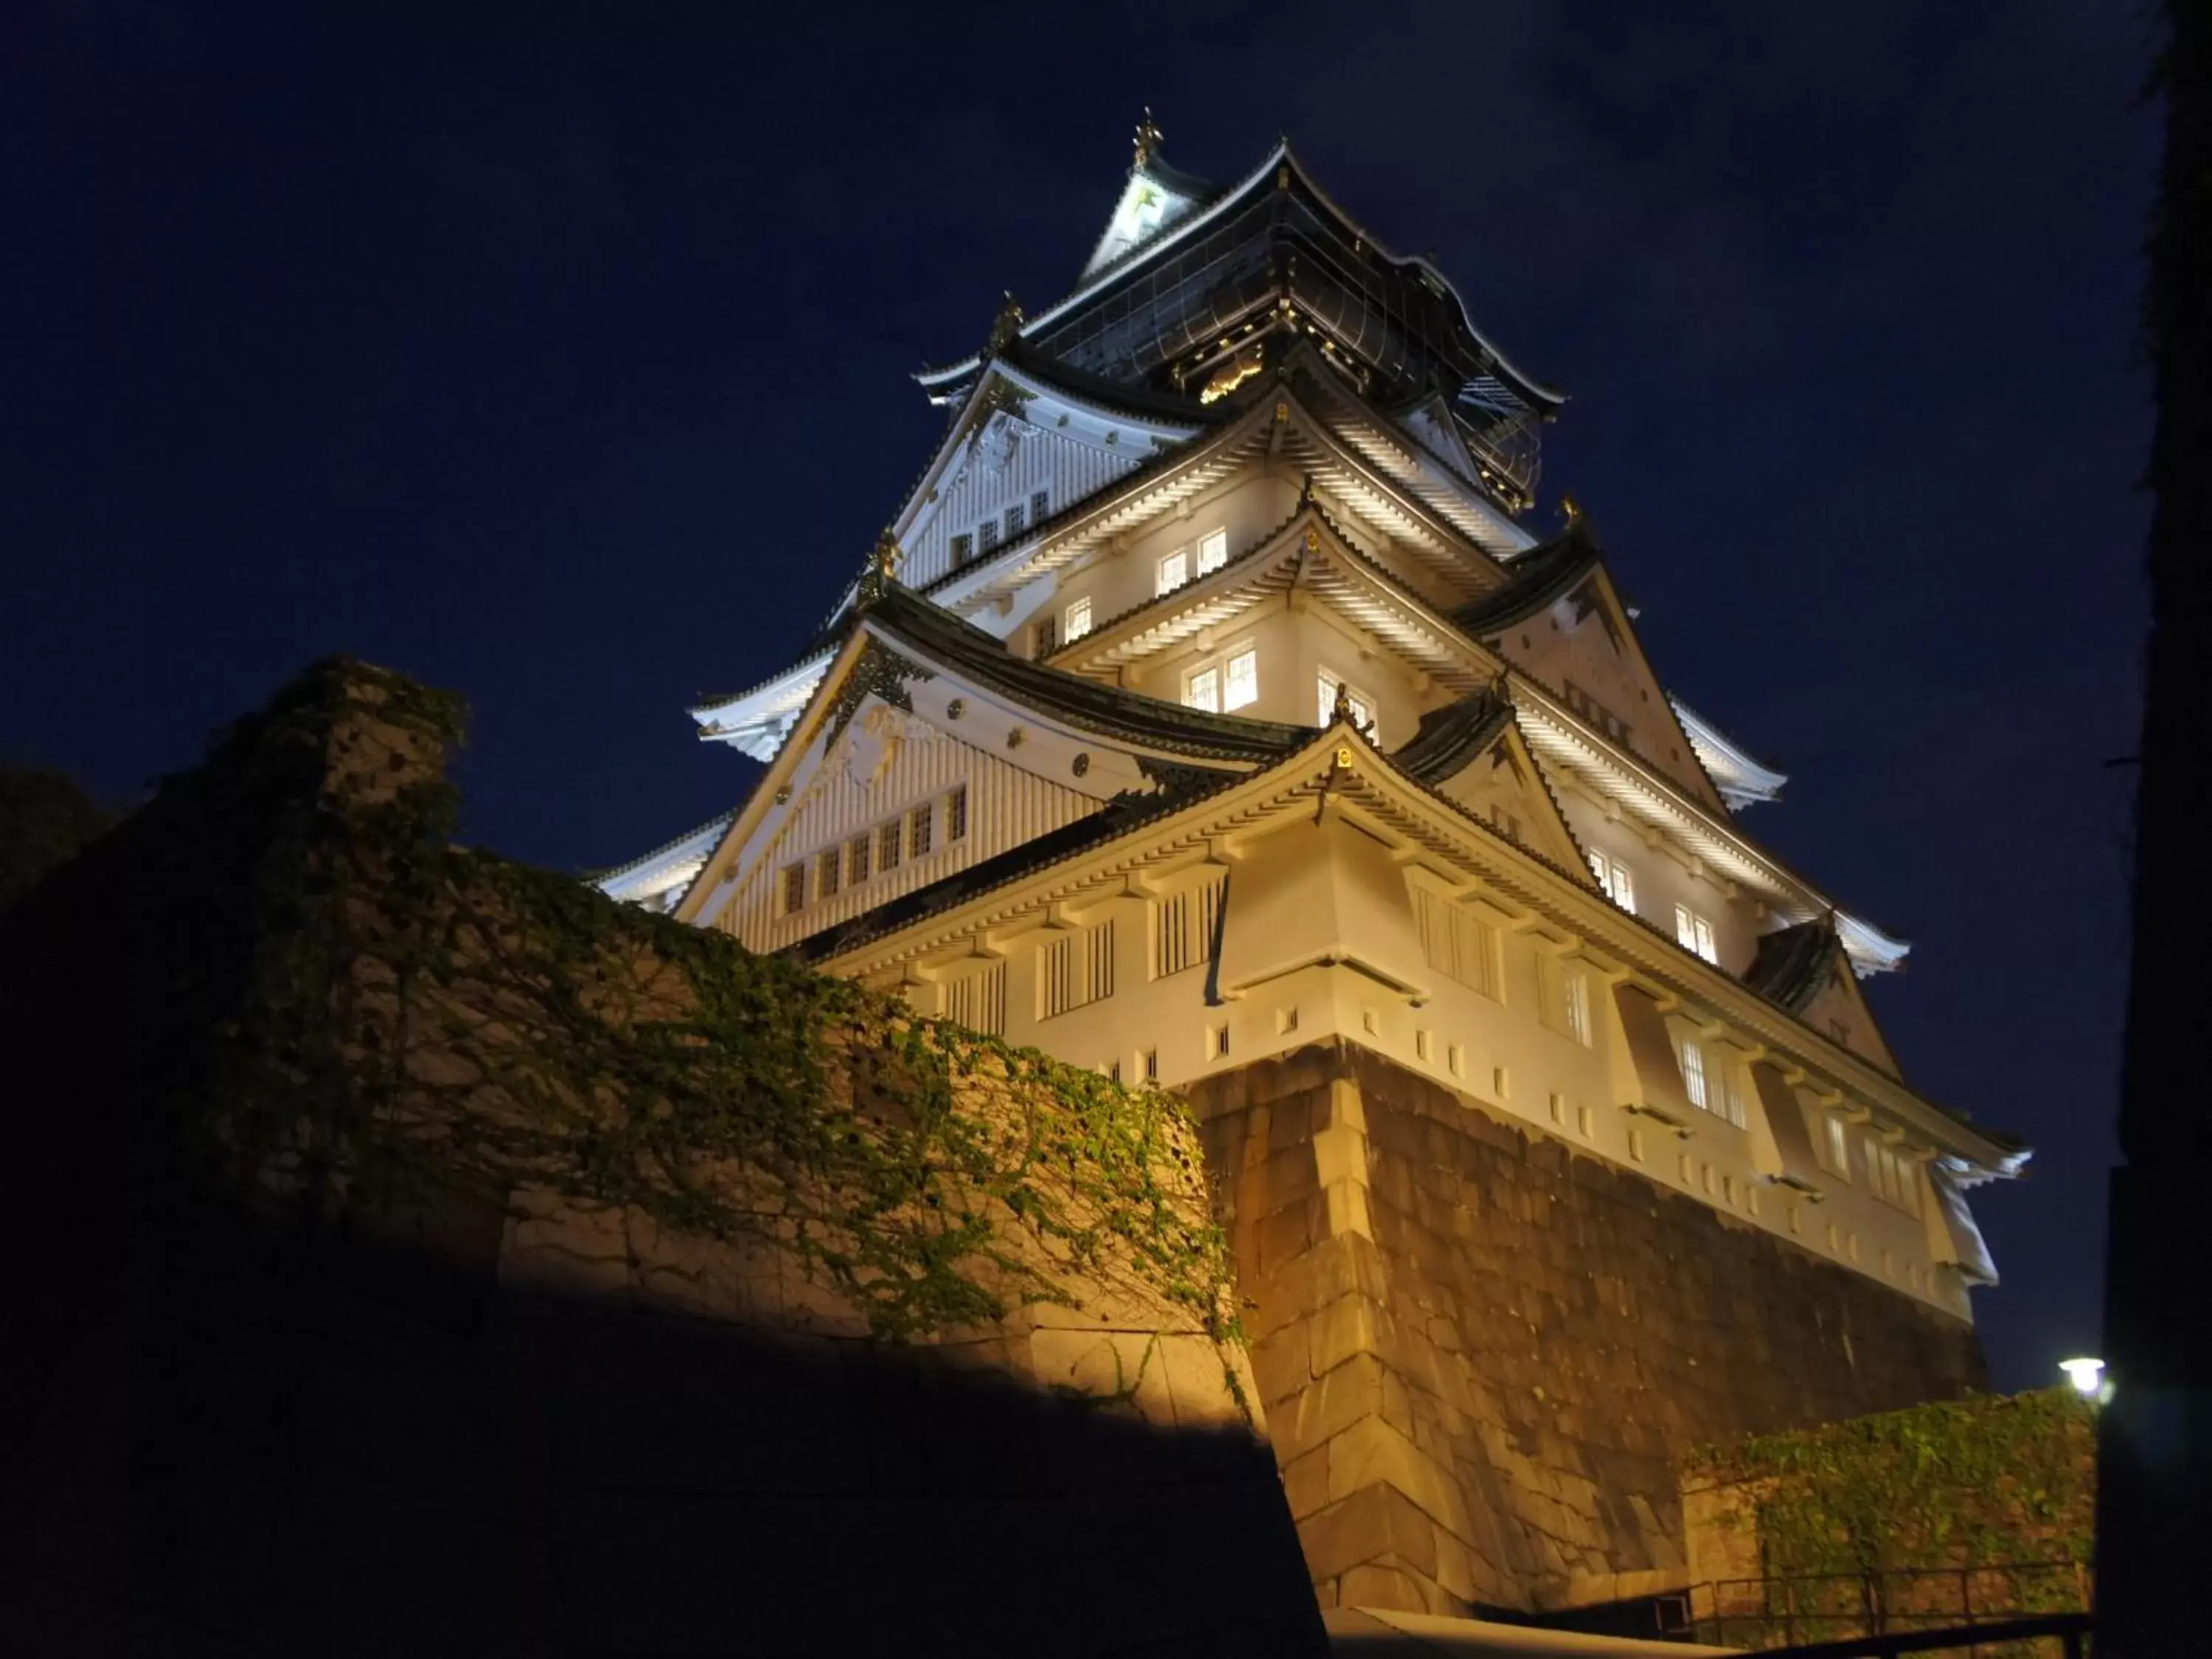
(826, 867)
(1213, 550)
(1692, 1058)
(1838, 1143)
(795, 888)
(987, 535)
(856, 860)
(1241, 680)
(1459, 945)
(1729, 1085)
(1174, 572)
(1203, 690)
(1892, 1177)
(1040, 505)
(1565, 1001)
(1184, 925)
(1018, 519)
(887, 845)
(978, 1000)
(956, 813)
(1693, 933)
(919, 824)
(1078, 620)
(1363, 706)
(1075, 968)
(1044, 638)
(1618, 880)
(964, 550)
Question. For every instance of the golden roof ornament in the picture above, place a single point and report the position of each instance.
(883, 565)
(1149, 138)
(1343, 713)
(1005, 326)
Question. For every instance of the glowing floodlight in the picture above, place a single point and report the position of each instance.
(2086, 1374)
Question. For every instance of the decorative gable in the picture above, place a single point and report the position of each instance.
(1472, 753)
(1583, 647)
(893, 803)
(1804, 969)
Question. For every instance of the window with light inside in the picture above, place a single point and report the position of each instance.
(1618, 880)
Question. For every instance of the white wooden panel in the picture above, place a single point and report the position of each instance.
(1008, 461)
(911, 763)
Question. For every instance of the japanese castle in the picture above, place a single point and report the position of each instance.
(1213, 694)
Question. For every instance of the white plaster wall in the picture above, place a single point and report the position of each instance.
(1497, 1051)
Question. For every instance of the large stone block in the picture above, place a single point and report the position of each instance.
(1540, 1331)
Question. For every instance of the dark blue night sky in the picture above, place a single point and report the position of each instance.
(560, 354)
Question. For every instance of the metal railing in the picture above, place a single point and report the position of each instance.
(1823, 1609)
(2071, 1631)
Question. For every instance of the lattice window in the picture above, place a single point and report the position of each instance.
(978, 1000)
(1213, 550)
(1239, 680)
(1618, 880)
(1018, 519)
(1174, 571)
(1185, 925)
(888, 844)
(856, 860)
(987, 535)
(1040, 505)
(1075, 968)
(1565, 999)
(795, 888)
(1459, 945)
(920, 824)
(956, 813)
(826, 868)
(1691, 1054)
(1078, 620)
(964, 550)
(1693, 933)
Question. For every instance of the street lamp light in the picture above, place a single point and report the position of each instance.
(2087, 1375)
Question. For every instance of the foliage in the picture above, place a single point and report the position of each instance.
(412, 1009)
(1896, 1507)
(46, 819)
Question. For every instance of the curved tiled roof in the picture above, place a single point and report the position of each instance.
(1795, 963)
(1540, 576)
(1110, 712)
(1450, 736)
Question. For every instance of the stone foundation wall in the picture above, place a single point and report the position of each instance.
(1479, 1354)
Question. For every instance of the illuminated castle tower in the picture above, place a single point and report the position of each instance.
(1210, 716)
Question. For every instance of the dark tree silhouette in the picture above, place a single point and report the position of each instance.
(2155, 1520)
(45, 820)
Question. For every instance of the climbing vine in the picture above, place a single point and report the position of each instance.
(1991, 1495)
(412, 1009)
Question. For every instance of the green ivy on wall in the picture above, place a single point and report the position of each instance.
(1917, 1508)
(409, 1007)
